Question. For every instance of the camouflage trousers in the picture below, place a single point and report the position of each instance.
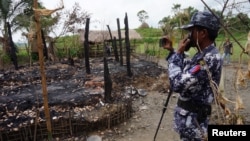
(187, 126)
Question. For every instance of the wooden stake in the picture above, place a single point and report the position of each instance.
(129, 72)
(86, 46)
(42, 72)
(120, 41)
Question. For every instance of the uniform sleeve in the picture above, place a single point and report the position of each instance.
(177, 76)
(188, 81)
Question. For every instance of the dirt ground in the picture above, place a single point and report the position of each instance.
(142, 126)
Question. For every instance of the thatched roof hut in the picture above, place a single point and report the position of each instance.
(97, 36)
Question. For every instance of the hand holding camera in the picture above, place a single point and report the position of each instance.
(184, 45)
(166, 43)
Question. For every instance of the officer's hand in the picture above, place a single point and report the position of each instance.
(168, 44)
(182, 45)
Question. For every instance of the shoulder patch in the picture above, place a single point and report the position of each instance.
(195, 69)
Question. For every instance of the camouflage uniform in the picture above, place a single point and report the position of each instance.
(190, 79)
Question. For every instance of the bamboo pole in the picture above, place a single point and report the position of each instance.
(42, 72)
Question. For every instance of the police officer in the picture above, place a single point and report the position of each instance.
(228, 51)
(195, 79)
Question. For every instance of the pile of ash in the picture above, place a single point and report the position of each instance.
(69, 88)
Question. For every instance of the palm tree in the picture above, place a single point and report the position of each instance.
(9, 12)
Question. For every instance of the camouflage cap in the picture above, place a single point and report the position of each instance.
(204, 19)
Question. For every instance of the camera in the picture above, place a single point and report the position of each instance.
(163, 41)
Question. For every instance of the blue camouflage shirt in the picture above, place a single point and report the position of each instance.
(189, 77)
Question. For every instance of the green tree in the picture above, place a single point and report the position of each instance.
(167, 25)
(181, 16)
(176, 8)
(9, 10)
(63, 24)
(143, 16)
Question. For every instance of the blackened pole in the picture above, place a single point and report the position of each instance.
(45, 50)
(163, 112)
(120, 41)
(127, 46)
(86, 46)
(107, 83)
(111, 39)
(42, 71)
(13, 49)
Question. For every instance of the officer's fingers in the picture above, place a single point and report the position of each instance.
(186, 41)
(183, 43)
(167, 46)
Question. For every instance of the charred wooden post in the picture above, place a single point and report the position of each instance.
(86, 46)
(111, 39)
(71, 61)
(113, 45)
(45, 50)
(13, 49)
(107, 82)
(42, 71)
(120, 41)
(115, 50)
(127, 46)
(51, 50)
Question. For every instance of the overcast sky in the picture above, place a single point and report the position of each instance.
(105, 12)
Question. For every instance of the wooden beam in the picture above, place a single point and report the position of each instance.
(42, 72)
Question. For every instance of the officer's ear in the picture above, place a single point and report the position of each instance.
(203, 32)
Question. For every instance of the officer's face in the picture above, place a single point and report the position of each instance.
(191, 32)
(196, 35)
